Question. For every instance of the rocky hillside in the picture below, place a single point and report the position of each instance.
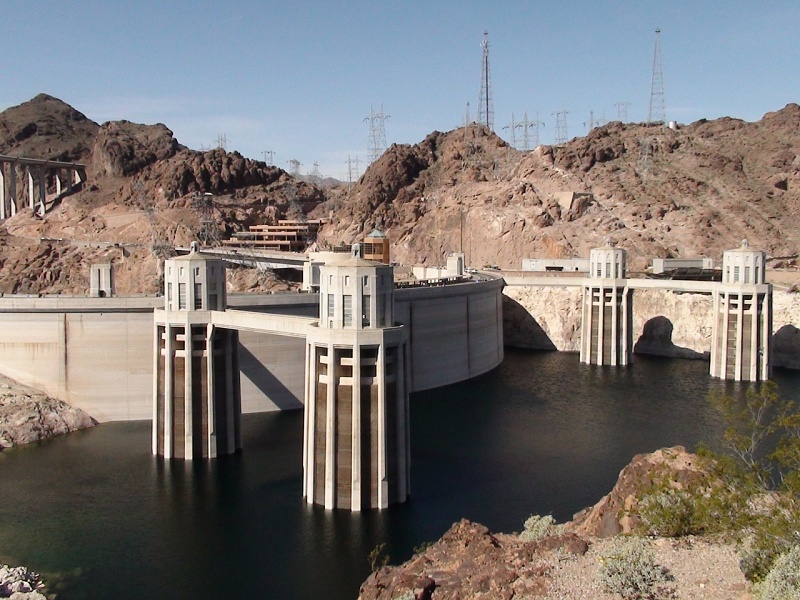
(693, 191)
(138, 195)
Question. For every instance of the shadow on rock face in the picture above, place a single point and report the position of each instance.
(521, 330)
(656, 339)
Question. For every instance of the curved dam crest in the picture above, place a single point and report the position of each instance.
(97, 353)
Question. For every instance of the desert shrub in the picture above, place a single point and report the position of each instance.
(630, 570)
(537, 527)
(407, 595)
(669, 513)
(783, 580)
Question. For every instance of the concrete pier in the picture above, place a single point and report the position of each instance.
(196, 387)
(34, 175)
(740, 349)
(356, 425)
(606, 327)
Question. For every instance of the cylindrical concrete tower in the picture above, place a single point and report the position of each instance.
(740, 348)
(196, 394)
(606, 327)
(356, 437)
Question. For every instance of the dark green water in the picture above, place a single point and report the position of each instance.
(540, 434)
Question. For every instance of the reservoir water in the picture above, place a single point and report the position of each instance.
(540, 434)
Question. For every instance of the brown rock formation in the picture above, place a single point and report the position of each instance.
(470, 562)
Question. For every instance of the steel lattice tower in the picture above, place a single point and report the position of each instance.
(560, 135)
(657, 112)
(377, 134)
(485, 106)
(622, 111)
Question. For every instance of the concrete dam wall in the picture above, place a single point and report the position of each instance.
(97, 353)
(666, 323)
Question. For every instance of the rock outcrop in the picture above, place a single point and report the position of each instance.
(18, 583)
(471, 562)
(29, 416)
(614, 514)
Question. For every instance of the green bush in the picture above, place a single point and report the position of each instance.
(630, 569)
(783, 580)
(537, 527)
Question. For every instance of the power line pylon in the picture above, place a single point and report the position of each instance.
(350, 171)
(377, 134)
(269, 153)
(657, 112)
(208, 234)
(222, 141)
(315, 174)
(485, 105)
(294, 167)
(513, 128)
(560, 135)
(159, 243)
(592, 122)
(622, 111)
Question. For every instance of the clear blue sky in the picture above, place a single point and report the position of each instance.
(299, 77)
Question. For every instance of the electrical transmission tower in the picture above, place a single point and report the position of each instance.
(560, 135)
(592, 122)
(377, 134)
(294, 167)
(159, 243)
(657, 113)
(352, 174)
(222, 141)
(530, 132)
(485, 106)
(269, 153)
(513, 128)
(315, 174)
(203, 204)
(622, 111)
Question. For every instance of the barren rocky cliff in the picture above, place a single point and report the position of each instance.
(693, 191)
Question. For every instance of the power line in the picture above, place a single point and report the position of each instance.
(657, 112)
(377, 134)
(485, 105)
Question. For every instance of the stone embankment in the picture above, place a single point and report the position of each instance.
(18, 583)
(664, 323)
(27, 415)
(469, 561)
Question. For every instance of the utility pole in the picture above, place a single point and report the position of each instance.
(485, 105)
(622, 111)
(377, 134)
(269, 153)
(657, 112)
(560, 136)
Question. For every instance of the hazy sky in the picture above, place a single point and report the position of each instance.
(299, 77)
